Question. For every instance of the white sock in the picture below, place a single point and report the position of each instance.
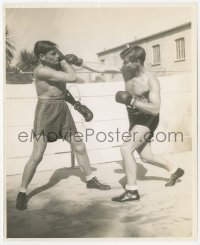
(89, 177)
(22, 190)
(173, 170)
(131, 187)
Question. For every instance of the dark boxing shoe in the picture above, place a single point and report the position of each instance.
(95, 184)
(127, 196)
(21, 202)
(179, 173)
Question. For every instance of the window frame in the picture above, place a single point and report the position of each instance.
(153, 56)
(180, 50)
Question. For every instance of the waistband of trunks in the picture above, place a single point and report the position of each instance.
(51, 99)
(136, 112)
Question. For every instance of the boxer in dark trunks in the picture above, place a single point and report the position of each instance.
(142, 98)
(137, 117)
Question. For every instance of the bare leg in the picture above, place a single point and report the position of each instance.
(147, 156)
(36, 157)
(138, 132)
(79, 148)
(29, 171)
(138, 137)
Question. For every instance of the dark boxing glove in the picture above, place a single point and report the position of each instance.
(127, 74)
(125, 98)
(61, 56)
(84, 110)
(73, 59)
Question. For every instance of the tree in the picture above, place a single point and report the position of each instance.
(10, 46)
(27, 61)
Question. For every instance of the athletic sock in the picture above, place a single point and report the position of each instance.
(131, 187)
(89, 177)
(173, 170)
(22, 190)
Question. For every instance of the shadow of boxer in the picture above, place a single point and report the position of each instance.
(57, 176)
(141, 174)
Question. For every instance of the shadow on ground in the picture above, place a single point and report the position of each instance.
(70, 210)
(57, 176)
(70, 220)
(141, 174)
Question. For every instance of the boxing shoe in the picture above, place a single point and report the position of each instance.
(127, 196)
(21, 202)
(95, 184)
(179, 172)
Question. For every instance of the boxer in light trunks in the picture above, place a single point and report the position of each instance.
(52, 116)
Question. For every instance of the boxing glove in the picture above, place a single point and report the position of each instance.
(73, 59)
(127, 74)
(125, 98)
(84, 110)
(61, 57)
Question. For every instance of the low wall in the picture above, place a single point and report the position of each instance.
(19, 106)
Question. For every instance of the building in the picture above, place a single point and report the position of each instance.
(167, 52)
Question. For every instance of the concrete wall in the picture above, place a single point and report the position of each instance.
(19, 106)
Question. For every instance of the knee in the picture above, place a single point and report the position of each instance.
(37, 158)
(127, 148)
(147, 159)
(79, 147)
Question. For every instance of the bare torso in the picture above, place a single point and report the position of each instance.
(47, 89)
(139, 86)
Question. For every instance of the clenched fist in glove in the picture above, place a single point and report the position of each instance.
(84, 110)
(125, 98)
(127, 73)
(73, 59)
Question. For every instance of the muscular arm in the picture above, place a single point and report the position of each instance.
(99, 68)
(51, 75)
(153, 106)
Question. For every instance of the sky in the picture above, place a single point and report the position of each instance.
(86, 31)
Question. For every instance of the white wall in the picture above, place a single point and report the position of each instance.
(168, 64)
(19, 106)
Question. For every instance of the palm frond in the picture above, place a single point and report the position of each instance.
(10, 45)
(27, 61)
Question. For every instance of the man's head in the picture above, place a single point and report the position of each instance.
(46, 52)
(134, 54)
(133, 58)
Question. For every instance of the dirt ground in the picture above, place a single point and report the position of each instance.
(60, 205)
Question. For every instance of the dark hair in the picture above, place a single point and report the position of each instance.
(42, 47)
(134, 53)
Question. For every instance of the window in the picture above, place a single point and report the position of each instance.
(156, 54)
(180, 49)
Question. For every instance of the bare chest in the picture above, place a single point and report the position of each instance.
(49, 88)
(137, 87)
